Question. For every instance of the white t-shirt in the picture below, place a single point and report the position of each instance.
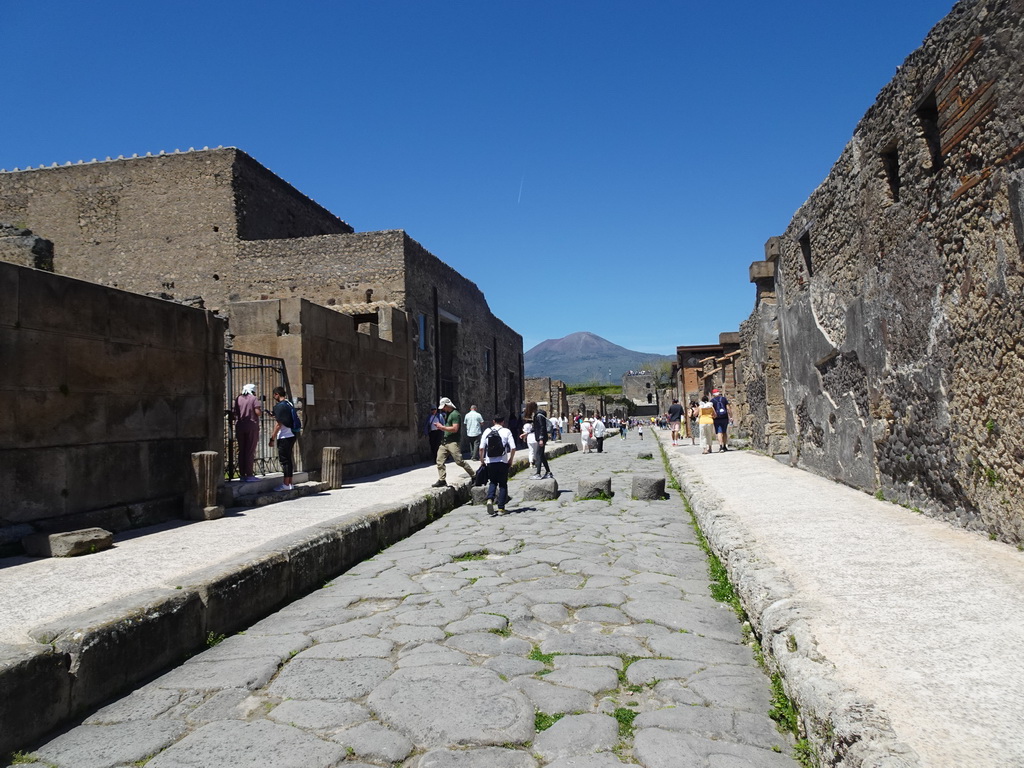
(507, 441)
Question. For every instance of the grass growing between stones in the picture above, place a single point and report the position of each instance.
(625, 718)
(547, 659)
(542, 720)
(481, 555)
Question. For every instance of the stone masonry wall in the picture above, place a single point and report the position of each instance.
(20, 246)
(109, 394)
(362, 379)
(899, 285)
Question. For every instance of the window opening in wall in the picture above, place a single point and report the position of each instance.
(805, 249)
(487, 361)
(891, 163)
(928, 114)
(421, 331)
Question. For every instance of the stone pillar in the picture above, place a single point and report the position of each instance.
(204, 481)
(330, 467)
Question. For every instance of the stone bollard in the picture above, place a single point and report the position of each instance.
(330, 467)
(594, 488)
(479, 494)
(204, 480)
(648, 488)
(541, 490)
(645, 455)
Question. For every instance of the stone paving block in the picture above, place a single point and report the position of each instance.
(648, 488)
(686, 645)
(551, 613)
(232, 704)
(733, 687)
(554, 699)
(408, 634)
(353, 648)
(719, 622)
(657, 748)
(107, 746)
(594, 645)
(718, 724)
(541, 490)
(146, 704)
(646, 671)
(489, 644)
(198, 675)
(488, 757)
(329, 680)
(322, 716)
(478, 622)
(575, 598)
(567, 662)
(676, 692)
(513, 666)
(600, 760)
(248, 646)
(594, 488)
(435, 656)
(437, 616)
(576, 735)
(453, 705)
(590, 679)
(233, 745)
(374, 741)
(603, 614)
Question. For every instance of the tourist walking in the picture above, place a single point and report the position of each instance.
(675, 416)
(693, 416)
(246, 413)
(537, 439)
(497, 449)
(723, 416)
(474, 426)
(449, 448)
(706, 422)
(599, 432)
(284, 436)
(623, 426)
(586, 435)
(432, 429)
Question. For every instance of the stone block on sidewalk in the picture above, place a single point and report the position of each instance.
(68, 544)
(648, 488)
(594, 488)
(645, 455)
(479, 494)
(541, 490)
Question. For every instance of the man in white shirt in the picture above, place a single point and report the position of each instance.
(599, 432)
(474, 423)
(497, 449)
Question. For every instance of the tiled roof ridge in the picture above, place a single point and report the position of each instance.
(161, 153)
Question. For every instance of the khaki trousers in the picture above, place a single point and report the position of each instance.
(453, 451)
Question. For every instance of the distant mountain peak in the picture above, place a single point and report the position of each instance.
(583, 357)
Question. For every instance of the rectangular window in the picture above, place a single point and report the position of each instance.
(487, 361)
(805, 249)
(891, 163)
(421, 331)
(928, 114)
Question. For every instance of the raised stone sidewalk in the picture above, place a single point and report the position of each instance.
(568, 633)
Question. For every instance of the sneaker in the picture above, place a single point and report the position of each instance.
(439, 484)
(490, 507)
(725, 447)
(502, 512)
(549, 476)
(537, 476)
(251, 479)
(283, 487)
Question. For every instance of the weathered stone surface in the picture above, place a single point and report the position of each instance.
(554, 699)
(453, 704)
(329, 680)
(69, 544)
(488, 757)
(594, 488)
(107, 746)
(322, 716)
(577, 735)
(541, 490)
(656, 748)
(233, 745)
(648, 488)
(375, 742)
(590, 679)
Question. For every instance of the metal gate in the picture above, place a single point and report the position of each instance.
(266, 373)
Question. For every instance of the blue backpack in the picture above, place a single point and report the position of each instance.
(296, 421)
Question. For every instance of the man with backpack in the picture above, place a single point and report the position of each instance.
(497, 449)
(286, 431)
(723, 415)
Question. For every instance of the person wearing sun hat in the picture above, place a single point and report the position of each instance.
(450, 447)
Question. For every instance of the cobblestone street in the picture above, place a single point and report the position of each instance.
(566, 634)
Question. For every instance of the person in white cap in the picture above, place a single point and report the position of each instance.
(450, 447)
(246, 413)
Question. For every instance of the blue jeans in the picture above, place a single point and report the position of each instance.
(497, 475)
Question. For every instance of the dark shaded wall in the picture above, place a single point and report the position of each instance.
(899, 286)
(108, 394)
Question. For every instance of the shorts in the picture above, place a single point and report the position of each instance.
(674, 426)
(721, 425)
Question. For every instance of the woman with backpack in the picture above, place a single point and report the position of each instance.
(285, 433)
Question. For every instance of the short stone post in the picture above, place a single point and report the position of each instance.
(594, 488)
(648, 488)
(330, 467)
(204, 481)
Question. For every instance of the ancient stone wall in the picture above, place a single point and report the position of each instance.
(641, 388)
(168, 224)
(899, 282)
(544, 389)
(20, 246)
(361, 374)
(108, 394)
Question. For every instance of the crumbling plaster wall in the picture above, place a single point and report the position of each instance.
(900, 314)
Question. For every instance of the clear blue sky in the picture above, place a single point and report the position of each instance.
(604, 166)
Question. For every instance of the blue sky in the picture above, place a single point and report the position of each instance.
(603, 166)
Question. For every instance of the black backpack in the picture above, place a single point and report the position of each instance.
(495, 445)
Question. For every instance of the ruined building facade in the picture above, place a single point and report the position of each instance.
(217, 228)
(885, 349)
